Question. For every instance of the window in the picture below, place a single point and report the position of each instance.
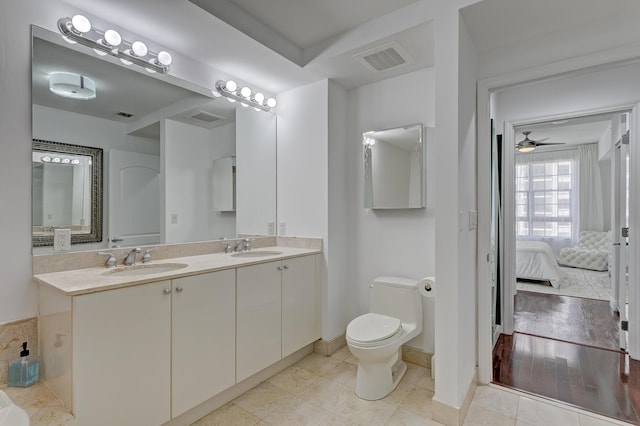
(544, 198)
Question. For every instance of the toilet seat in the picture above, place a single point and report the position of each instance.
(372, 329)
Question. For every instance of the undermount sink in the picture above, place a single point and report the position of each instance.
(135, 270)
(256, 253)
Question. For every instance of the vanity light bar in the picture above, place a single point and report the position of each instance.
(78, 29)
(247, 97)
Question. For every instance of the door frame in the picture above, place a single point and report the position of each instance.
(485, 88)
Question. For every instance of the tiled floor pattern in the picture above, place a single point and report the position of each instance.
(318, 390)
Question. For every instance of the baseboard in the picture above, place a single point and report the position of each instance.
(329, 347)
(450, 415)
(416, 356)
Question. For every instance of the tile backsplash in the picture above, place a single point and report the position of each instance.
(12, 334)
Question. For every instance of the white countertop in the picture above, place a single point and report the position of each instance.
(90, 280)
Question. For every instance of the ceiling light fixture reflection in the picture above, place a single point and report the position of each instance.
(229, 89)
(72, 86)
(78, 29)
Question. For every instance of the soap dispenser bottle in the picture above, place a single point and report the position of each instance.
(23, 372)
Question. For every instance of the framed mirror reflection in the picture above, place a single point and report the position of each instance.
(66, 192)
(394, 168)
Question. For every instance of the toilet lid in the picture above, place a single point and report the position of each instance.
(372, 327)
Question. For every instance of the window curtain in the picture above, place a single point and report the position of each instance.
(589, 188)
(554, 155)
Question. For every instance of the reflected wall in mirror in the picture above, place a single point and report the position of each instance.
(66, 192)
(394, 168)
(160, 137)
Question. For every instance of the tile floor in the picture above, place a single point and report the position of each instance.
(318, 390)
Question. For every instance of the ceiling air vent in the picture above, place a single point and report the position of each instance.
(206, 117)
(385, 57)
(124, 114)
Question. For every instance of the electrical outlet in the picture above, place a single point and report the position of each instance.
(283, 228)
(61, 239)
(271, 228)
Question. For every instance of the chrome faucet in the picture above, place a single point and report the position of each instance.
(239, 246)
(247, 244)
(131, 257)
(146, 258)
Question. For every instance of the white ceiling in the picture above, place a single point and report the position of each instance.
(308, 22)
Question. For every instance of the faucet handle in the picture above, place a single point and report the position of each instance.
(146, 258)
(227, 247)
(111, 261)
(247, 243)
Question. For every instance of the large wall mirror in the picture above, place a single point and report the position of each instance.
(394, 168)
(161, 137)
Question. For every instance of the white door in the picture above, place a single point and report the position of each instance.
(134, 198)
(508, 229)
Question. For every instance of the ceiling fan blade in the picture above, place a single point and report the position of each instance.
(541, 140)
(550, 143)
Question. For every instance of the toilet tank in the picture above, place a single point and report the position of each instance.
(397, 297)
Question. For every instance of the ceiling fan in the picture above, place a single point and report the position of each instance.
(528, 145)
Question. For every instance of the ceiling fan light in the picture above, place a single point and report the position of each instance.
(525, 149)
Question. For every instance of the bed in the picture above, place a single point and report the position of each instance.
(535, 261)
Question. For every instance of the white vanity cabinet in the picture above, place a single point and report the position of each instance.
(145, 354)
(300, 304)
(277, 312)
(258, 323)
(122, 356)
(203, 338)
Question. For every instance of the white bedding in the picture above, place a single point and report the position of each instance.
(535, 261)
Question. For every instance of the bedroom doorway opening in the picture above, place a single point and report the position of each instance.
(566, 341)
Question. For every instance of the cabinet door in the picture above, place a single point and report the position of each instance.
(259, 313)
(121, 356)
(203, 338)
(299, 316)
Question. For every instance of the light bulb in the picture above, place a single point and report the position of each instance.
(215, 94)
(100, 52)
(112, 38)
(164, 58)
(231, 86)
(258, 97)
(56, 160)
(66, 161)
(271, 102)
(81, 24)
(139, 48)
(46, 159)
(245, 92)
(75, 161)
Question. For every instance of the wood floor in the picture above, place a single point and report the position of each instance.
(602, 380)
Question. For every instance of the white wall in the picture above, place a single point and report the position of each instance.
(256, 160)
(388, 242)
(467, 204)
(338, 249)
(186, 166)
(570, 95)
(223, 224)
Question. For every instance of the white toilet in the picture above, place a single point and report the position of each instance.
(376, 338)
(11, 414)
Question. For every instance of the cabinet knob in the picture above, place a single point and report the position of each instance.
(179, 289)
(167, 291)
(279, 268)
(286, 266)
